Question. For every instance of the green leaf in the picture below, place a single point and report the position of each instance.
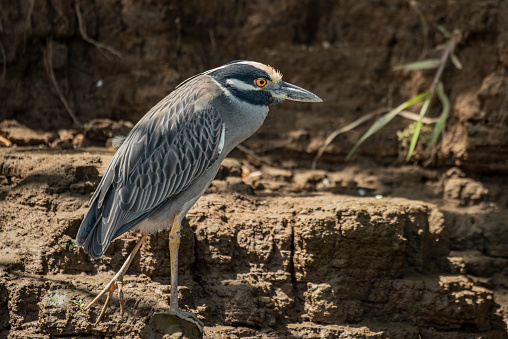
(445, 32)
(417, 65)
(418, 127)
(456, 62)
(381, 122)
(444, 113)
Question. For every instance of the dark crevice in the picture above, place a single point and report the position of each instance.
(291, 268)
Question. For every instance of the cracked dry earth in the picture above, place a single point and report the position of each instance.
(266, 253)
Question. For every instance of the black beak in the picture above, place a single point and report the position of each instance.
(284, 90)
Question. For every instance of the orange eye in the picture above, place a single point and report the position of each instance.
(261, 82)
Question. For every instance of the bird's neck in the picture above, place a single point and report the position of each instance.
(241, 120)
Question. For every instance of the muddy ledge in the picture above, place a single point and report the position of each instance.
(252, 265)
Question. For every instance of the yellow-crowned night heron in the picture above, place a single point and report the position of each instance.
(171, 156)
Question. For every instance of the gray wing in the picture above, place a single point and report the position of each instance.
(172, 146)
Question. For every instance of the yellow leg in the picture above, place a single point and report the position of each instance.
(174, 245)
(116, 283)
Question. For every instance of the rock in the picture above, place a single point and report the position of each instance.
(66, 135)
(309, 180)
(171, 327)
(82, 187)
(444, 302)
(22, 135)
(320, 304)
(247, 303)
(482, 230)
(104, 129)
(78, 140)
(229, 168)
(496, 233)
(465, 191)
(64, 145)
(277, 174)
(240, 186)
(476, 263)
(4, 142)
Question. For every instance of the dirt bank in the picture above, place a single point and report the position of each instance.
(282, 255)
(344, 51)
(373, 248)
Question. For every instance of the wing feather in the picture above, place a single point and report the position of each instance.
(171, 146)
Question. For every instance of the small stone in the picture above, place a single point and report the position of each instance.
(4, 142)
(277, 174)
(77, 142)
(173, 327)
(22, 135)
(66, 135)
(103, 129)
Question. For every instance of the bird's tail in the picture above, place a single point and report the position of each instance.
(88, 224)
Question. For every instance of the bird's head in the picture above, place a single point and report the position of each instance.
(258, 84)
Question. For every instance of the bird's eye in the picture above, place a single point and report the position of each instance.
(261, 82)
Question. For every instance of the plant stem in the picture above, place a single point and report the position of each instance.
(444, 58)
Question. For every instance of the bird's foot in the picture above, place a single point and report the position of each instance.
(115, 283)
(186, 316)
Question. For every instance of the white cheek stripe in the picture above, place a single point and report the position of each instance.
(240, 85)
(244, 106)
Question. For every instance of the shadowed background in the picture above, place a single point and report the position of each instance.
(129, 54)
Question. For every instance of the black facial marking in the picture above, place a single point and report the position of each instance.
(247, 74)
(243, 72)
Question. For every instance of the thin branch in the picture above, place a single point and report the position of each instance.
(444, 58)
(48, 65)
(85, 37)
